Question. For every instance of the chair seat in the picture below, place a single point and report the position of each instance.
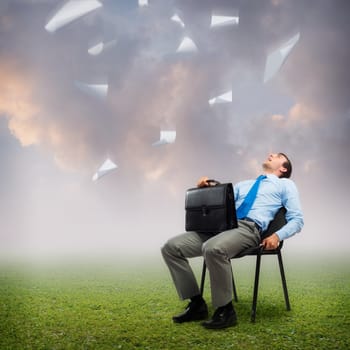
(259, 250)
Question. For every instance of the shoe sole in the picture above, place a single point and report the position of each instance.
(213, 326)
(197, 318)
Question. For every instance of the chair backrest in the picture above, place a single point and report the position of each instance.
(278, 222)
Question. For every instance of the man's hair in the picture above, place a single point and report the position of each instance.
(288, 165)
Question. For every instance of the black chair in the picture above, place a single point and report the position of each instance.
(274, 225)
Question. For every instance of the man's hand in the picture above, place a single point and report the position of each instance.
(271, 242)
(202, 182)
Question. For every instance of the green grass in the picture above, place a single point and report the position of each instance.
(130, 307)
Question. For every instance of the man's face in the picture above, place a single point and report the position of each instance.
(275, 162)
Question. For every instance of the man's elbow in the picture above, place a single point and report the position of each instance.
(296, 224)
(299, 223)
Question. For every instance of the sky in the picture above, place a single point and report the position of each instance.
(54, 136)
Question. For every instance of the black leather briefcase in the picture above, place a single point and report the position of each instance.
(210, 209)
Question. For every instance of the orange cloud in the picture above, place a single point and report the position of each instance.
(31, 123)
(299, 115)
(16, 102)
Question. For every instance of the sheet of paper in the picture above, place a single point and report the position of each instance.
(276, 59)
(187, 45)
(100, 47)
(166, 137)
(222, 21)
(224, 98)
(177, 19)
(143, 3)
(95, 90)
(71, 11)
(106, 168)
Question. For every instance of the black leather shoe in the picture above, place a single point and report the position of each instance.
(223, 317)
(195, 311)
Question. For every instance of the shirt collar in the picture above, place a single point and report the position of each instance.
(272, 176)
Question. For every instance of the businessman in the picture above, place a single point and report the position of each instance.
(274, 190)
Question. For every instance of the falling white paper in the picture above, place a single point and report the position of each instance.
(95, 90)
(100, 47)
(166, 137)
(70, 11)
(275, 60)
(96, 50)
(221, 21)
(224, 98)
(143, 3)
(107, 167)
(187, 45)
(177, 19)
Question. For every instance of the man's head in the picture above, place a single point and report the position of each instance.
(278, 164)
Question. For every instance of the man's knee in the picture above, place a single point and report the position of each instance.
(165, 248)
(169, 248)
(210, 249)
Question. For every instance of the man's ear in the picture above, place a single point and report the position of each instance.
(282, 169)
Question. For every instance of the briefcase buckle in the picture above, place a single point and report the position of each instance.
(205, 210)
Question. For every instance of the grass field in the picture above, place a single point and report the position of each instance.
(124, 306)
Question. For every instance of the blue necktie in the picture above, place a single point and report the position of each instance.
(248, 201)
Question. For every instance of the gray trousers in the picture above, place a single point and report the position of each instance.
(217, 251)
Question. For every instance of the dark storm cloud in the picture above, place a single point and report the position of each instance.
(225, 57)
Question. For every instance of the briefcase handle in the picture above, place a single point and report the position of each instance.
(212, 182)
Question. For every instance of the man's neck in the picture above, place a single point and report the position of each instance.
(270, 172)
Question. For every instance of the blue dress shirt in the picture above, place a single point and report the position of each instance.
(273, 193)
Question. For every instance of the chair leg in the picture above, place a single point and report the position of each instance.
(235, 297)
(256, 287)
(284, 283)
(203, 277)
